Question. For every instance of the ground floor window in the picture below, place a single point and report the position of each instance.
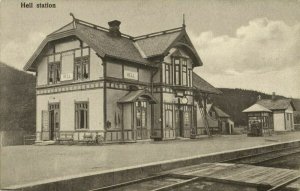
(81, 115)
(169, 116)
(141, 108)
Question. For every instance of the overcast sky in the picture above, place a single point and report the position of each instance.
(245, 44)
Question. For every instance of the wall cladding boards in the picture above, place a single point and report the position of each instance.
(65, 53)
(131, 72)
(67, 108)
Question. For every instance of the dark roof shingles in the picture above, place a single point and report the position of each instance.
(156, 45)
(276, 104)
(220, 112)
(119, 47)
(203, 86)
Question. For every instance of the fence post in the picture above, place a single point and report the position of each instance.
(1, 139)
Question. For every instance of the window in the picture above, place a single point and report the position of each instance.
(168, 76)
(81, 115)
(287, 116)
(54, 72)
(141, 107)
(190, 77)
(82, 68)
(177, 71)
(182, 75)
(184, 72)
(168, 116)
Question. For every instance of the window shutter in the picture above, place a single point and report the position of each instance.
(45, 125)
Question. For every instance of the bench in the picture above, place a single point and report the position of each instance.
(29, 138)
(65, 137)
(88, 138)
(99, 139)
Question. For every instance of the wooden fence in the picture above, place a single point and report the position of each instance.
(13, 137)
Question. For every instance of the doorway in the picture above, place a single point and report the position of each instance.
(54, 121)
(141, 120)
(179, 123)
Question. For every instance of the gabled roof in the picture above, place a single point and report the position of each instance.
(220, 112)
(208, 107)
(276, 104)
(256, 108)
(67, 27)
(157, 45)
(104, 44)
(203, 86)
(296, 103)
(135, 49)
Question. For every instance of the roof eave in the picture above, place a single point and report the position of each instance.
(49, 38)
(218, 92)
(134, 61)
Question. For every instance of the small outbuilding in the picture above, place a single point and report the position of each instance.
(269, 115)
(219, 122)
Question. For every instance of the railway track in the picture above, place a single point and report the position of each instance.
(168, 182)
(263, 157)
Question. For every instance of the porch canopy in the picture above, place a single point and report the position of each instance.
(133, 96)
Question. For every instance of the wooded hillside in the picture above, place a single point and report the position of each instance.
(17, 99)
(234, 101)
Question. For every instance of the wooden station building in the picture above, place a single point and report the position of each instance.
(267, 116)
(98, 81)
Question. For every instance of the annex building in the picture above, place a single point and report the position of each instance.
(267, 116)
(99, 82)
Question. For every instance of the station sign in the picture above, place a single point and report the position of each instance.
(130, 75)
(66, 76)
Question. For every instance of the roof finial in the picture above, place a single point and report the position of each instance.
(74, 20)
(72, 15)
(183, 21)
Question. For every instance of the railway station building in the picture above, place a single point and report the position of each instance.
(267, 116)
(98, 81)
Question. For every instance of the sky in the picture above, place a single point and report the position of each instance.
(248, 44)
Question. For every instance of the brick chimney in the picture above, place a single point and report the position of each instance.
(114, 28)
(273, 96)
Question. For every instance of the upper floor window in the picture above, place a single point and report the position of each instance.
(168, 73)
(81, 67)
(190, 77)
(68, 65)
(177, 76)
(182, 73)
(54, 70)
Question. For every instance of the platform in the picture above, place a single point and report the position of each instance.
(253, 176)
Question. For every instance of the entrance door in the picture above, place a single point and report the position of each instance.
(141, 117)
(53, 121)
(179, 123)
(52, 124)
